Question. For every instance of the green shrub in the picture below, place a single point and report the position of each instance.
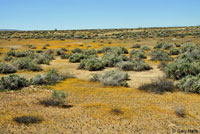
(89, 52)
(49, 78)
(112, 78)
(12, 82)
(26, 63)
(57, 99)
(158, 86)
(91, 64)
(77, 57)
(139, 54)
(145, 48)
(137, 65)
(159, 45)
(59, 52)
(167, 46)
(190, 84)
(182, 67)
(6, 68)
(111, 59)
(65, 56)
(188, 47)
(76, 50)
(117, 50)
(160, 55)
(174, 51)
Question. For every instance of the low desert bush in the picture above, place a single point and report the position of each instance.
(65, 56)
(137, 65)
(12, 82)
(91, 64)
(26, 63)
(6, 68)
(160, 55)
(139, 54)
(190, 84)
(58, 98)
(26, 120)
(49, 78)
(160, 86)
(112, 78)
(145, 48)
(111, 59)
(182, 67)
(77, 57)
(77, 50)
(89, 52)
(174, 51)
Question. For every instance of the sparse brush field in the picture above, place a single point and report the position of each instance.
(127, 81)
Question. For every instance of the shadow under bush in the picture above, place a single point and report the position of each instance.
(160, 86)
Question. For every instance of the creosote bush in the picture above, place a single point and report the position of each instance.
(160, 86)
(12, 82)
(112, 78)
(6, 68)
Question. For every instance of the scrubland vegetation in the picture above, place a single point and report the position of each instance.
(100, 81)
